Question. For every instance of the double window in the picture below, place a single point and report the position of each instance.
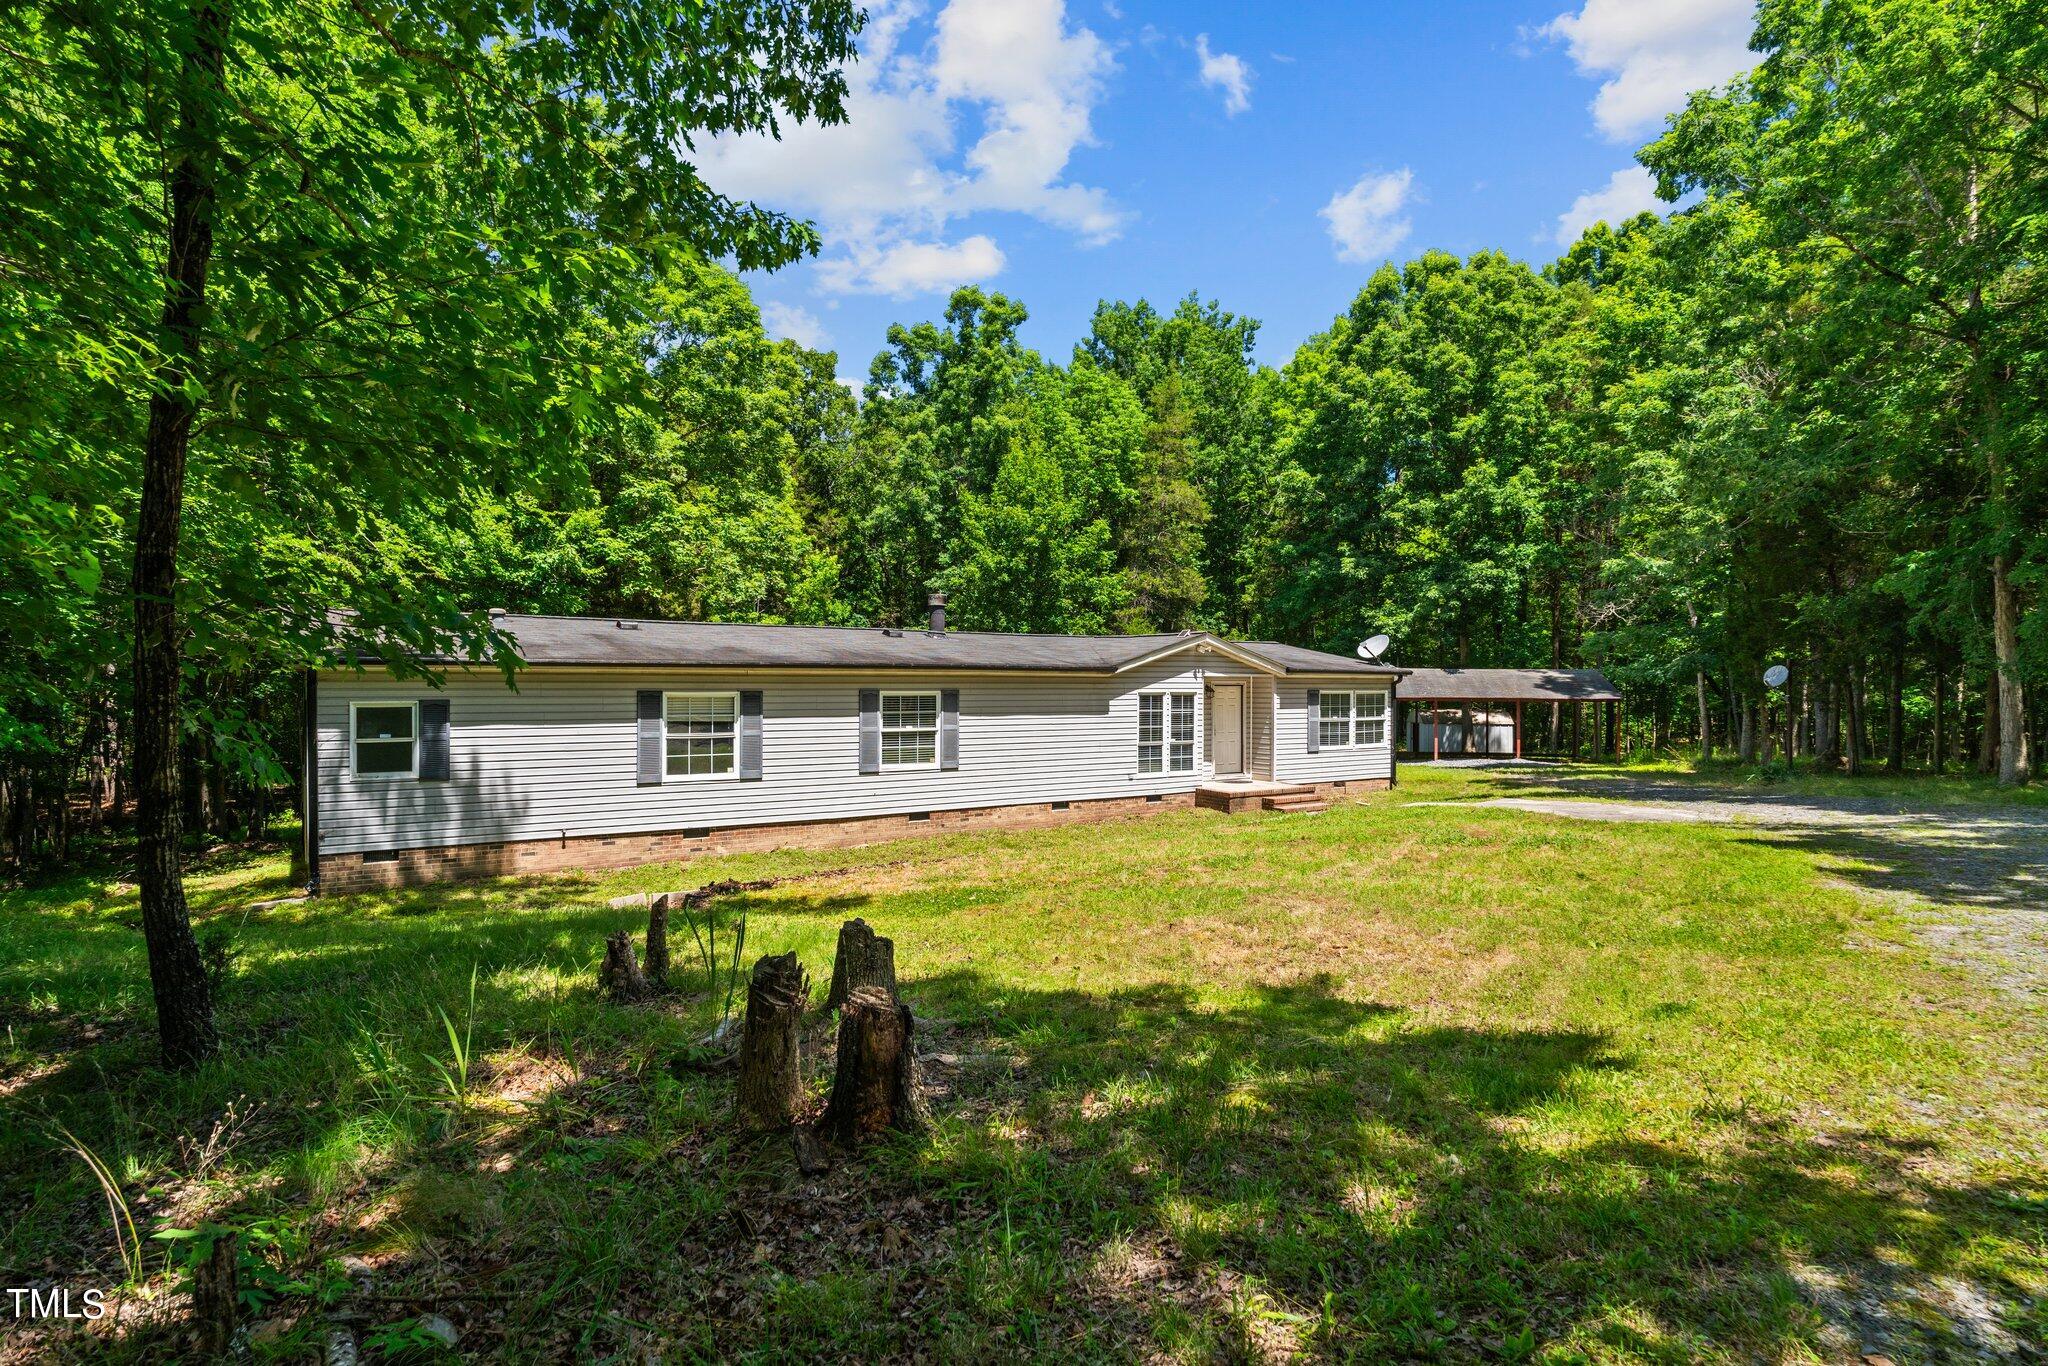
(1352, 718)
(384, 739)
(1166, 732)
(700, 732)
(910, 730)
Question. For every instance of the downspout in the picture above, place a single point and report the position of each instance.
(1394, 732)
(309, 770)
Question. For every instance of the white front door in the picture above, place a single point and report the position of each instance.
(1226, 721)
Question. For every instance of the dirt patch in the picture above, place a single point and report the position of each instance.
(1878, 1309)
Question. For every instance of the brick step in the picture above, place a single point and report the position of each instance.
(1296, 802)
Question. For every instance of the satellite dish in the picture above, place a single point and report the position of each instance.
(1374, 647)
(1775, 676)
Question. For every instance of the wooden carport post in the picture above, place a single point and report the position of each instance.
(1436, 744)
(1518, 728)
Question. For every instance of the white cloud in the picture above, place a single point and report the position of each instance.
(903, 269)
(1627, 193)
(1228, 73)
(1365, 221)
(798, 324)
(1653, 53)
(886, 184)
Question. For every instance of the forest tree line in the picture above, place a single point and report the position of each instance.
(1800, 420)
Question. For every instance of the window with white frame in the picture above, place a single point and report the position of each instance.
(1351, 718)
(384, 739)
(1370, 718)
(910, 730)
(1335, 720)
(700, 732)
(1166, 732)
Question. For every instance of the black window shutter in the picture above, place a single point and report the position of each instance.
(651, 742)
(871, 730)
(750, 736)
(949, 728)
(433, 765)
(1315, 720)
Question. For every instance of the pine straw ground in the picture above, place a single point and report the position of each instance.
(1398, 1080)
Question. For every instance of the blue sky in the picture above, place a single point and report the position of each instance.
(1267, 156)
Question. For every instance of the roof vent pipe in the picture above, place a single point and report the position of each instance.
(937, 603)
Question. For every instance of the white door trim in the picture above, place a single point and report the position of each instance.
(1235, 710)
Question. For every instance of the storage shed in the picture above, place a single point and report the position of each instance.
(1472, 713)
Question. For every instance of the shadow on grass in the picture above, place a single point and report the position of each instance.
(1282, 1168)
(1338, 1182)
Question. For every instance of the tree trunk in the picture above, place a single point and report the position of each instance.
(1824, 724)
(863, 959)
(771, 1049)
(1987, 737)
(1797, 740)
(214, 1299)
(1935, 749)
(1854, 689)
(219, 805)
(874, 1081)
(184, 1005)
(657, 942)
(1895, 714)
(619, 975)
(1699, 683)
(2015, 764)
(1745, 739)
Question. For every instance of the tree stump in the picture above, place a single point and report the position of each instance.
(863, 959)
(215, 1304)
(620, 974)
(771, 1077)
(657, 941)
(874, 1082)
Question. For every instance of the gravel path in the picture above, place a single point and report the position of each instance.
(1973, 882)
(1974, 879)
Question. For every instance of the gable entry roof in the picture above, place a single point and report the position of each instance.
(608, 641)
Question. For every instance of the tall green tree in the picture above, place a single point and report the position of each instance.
(1160, 538)
(1411, 481)
(1898, 143)
(1228, 401)
(345, 255)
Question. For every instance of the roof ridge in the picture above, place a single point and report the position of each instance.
(822, 626)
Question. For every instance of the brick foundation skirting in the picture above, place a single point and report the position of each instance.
(344, 873)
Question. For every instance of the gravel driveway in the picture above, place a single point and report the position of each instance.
(1973, 878)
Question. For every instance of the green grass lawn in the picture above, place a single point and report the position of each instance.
(1392, 1081)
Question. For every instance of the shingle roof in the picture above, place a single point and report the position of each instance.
(1507, 685)
(1297, 660)
(608, 641)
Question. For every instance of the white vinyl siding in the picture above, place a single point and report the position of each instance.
(385, 740)
(702, 729)
(1365, 711)
(555, 759)
(910, 730)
